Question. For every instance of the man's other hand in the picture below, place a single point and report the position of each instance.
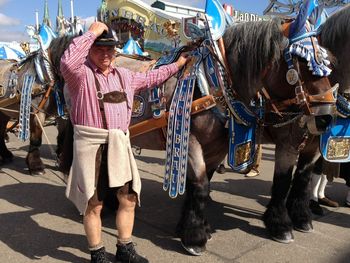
(182, 60)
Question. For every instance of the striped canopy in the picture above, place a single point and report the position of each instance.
(7, 52)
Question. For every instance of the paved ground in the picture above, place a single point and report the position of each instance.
(37, 222)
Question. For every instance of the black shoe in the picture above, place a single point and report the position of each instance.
(315, 208)
(127, 254)
(99, 256)
(327, 202)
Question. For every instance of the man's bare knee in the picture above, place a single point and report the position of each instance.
(126, 199)
(94, 206)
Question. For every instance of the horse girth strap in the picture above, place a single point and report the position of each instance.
(149, 125)
(9, 101)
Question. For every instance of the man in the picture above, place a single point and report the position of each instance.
(101, 99)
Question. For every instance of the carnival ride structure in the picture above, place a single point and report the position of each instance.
(291, 7)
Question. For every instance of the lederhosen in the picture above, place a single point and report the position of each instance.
(102, 188)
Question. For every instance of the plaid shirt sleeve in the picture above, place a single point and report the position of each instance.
(152, 78)
(75, 56)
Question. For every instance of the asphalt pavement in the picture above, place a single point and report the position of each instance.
(38, 223)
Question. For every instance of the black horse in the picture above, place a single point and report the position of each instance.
(335, 36)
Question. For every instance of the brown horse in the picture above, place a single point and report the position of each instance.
(42, 105)
(255, 56)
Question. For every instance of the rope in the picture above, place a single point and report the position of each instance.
(45, 135)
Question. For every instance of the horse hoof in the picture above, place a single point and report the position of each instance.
(221, 169)
(194, 250)
(37, 173)
(304, 227)
(6, 160)
(209, 237)
(285, 238)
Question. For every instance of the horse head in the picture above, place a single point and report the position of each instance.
(335, 36)
(261, 59)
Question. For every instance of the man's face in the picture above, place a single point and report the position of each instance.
(102, 56)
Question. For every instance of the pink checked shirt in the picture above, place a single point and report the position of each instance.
(78, 72)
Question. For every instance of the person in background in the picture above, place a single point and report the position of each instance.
(101, 98)
(318, 197)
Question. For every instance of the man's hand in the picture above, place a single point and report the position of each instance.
(97, 28)
(182, 60)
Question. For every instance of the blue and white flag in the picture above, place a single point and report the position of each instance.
(218, 18)
(310, 13)
(46, 35)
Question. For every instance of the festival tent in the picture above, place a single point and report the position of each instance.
(7, 52)
(132, 48)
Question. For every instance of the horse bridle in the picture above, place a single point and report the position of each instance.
(311, 104)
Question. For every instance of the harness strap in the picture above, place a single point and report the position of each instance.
(268, 98)
(327, 97)
(10, 101)
(111, 97)
(44, 100)
(149, 125)
(223, 53)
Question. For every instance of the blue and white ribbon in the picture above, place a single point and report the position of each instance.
(305, 49)
(343, 105)
(26, 100)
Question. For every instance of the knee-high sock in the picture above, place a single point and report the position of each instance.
(322, 186)
(315, 183)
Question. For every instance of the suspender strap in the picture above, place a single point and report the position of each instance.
(110, 97)
(100, 102)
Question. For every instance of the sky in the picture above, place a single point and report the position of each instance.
(16, 14)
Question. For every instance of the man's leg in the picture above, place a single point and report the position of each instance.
(126, 213)
(315, 184)
(125, 217)
(92, 222)
(93, 227)
(322, 198)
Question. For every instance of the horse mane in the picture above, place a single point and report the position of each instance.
(336, 27)
(251, 48)
(57, 48)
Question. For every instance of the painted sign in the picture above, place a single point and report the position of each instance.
(158, 31)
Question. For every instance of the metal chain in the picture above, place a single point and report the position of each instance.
(279, 125)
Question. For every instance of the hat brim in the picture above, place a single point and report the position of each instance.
(106, 43)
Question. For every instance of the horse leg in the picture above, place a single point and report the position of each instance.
(192, 228)
(5, 154)
(298, 198)
(33, 160)
(64, 149)
(276, 216)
